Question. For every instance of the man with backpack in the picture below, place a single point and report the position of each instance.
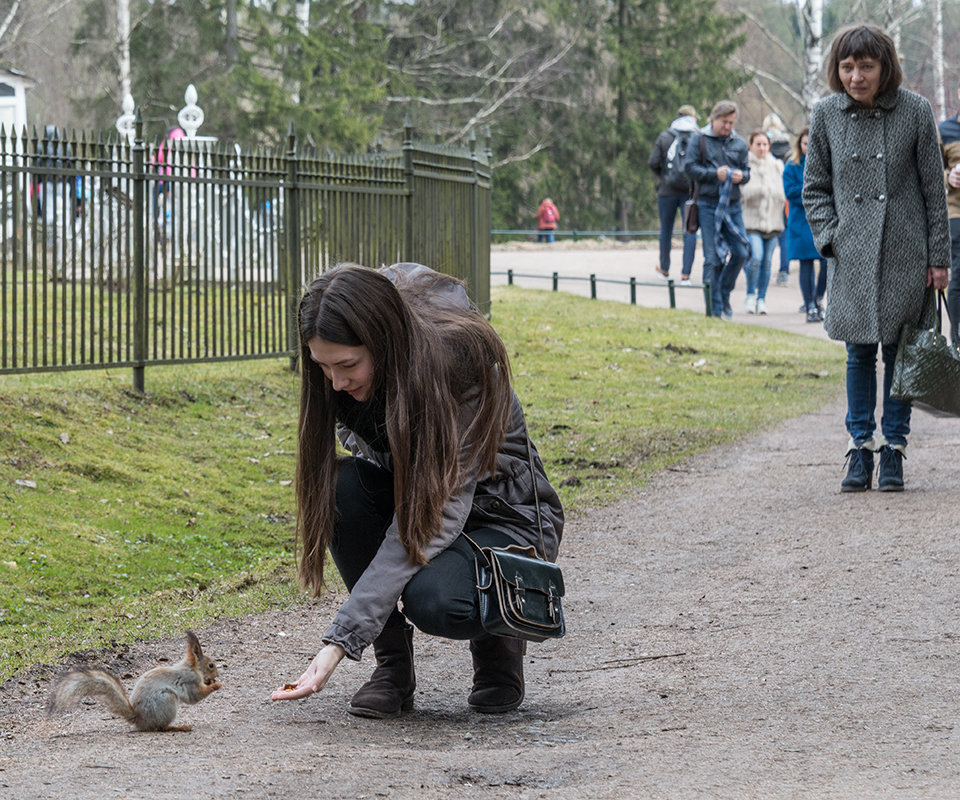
(673, 187)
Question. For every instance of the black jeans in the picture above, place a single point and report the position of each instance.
(953, 292)
(441, 599)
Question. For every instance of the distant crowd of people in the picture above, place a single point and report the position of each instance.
(750, 205)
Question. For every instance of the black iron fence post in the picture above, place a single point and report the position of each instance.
(407, 250)
(139, 263)
(291, 205)
(474, 219)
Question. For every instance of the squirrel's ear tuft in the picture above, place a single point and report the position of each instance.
(193, 645)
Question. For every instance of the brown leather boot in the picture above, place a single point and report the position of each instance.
(389, 692)
(497, 674)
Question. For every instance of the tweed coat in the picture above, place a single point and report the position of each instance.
(874, 196)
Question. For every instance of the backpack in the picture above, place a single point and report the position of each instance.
(549, 215)
(672, 176)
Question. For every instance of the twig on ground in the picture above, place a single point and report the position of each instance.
(619, 663)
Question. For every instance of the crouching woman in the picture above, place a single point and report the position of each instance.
(417, 386)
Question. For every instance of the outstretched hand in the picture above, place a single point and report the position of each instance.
(315, 677)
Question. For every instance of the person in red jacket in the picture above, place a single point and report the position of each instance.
(547, 216)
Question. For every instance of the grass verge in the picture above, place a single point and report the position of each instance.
(125, 517)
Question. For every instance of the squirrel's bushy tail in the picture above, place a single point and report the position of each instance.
(91, 683)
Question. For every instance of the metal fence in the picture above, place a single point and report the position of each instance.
(125, 255)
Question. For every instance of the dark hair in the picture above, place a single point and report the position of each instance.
(795, 152)
(758, 132)
(865, 41)
(723, 109)
(443, 376)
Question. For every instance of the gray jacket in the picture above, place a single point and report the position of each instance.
(504, 501)
(874, 196)
(727, 151)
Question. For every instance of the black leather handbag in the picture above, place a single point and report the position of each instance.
(520, 592)
(927, 369)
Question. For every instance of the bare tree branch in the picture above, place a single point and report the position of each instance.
(772, 37)
(5, 25)
(761, 89)
(761, 73)
(521, 157)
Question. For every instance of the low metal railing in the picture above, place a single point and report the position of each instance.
(670, 285)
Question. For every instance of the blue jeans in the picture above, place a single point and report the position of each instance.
(723, 277)
(812, 289)
(668, 205)
(757, 269)
(782, 243)
(862, 395)
(545, 235)
(953, 292)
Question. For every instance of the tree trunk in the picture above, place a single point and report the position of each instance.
(230, 45)
(123, 45)
(812, 15)
(939, 92)
(620, 204)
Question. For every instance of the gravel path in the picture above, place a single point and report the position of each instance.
(736, 629)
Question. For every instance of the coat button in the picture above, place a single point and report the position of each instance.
(881, 197)
(876, 114)
(879, 156)
(853, 115)
(858, 198)
(855, 157)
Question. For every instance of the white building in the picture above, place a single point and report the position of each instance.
(13, 99)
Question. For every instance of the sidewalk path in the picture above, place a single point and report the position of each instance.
(639, 260)
(737, 629)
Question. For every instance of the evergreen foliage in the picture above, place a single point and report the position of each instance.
(574, 92)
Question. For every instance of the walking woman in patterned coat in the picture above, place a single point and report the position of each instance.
(875, 200)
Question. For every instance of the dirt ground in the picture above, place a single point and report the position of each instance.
(738, 629)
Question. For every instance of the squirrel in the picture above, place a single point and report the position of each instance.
(152, 705)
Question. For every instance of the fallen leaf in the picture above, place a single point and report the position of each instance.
(65, 438)
(26, 484)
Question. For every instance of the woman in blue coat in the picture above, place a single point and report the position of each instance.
(800, 244)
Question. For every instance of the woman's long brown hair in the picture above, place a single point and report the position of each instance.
(430, 360)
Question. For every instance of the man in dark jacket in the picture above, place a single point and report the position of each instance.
(722, 171)
(673, 187)
(950, 144)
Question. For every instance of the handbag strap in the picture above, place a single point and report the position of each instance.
(536, 493)
(536, 502)
(703, 160)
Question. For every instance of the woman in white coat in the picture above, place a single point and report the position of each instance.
(763, 202)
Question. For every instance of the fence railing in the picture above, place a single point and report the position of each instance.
(632, 282)
(125, 255)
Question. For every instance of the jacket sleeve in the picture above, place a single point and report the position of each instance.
(744, 165)
(793, 183)
(703, 173)
(817, 180)
(363, 615)
(375, 595)
(655, 162)
(930, 169)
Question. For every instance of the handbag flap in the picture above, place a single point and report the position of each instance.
(520, 567)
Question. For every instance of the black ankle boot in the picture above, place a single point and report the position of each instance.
(389, 692)
(860, 470)
(497, 674)
(890, 473)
